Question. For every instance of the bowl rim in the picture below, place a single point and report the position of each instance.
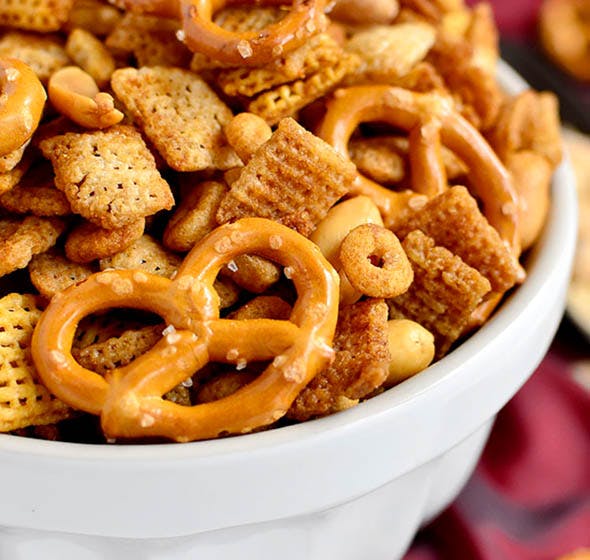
(392, 401)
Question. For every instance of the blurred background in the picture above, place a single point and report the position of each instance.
(529, 498)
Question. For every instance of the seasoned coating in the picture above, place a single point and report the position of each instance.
(118, 351)
(21, 239)
(361, 364)
(293, 179)
(180, 114)
(10, 179)
(37, 15)
(151, 40)
(144, 254)
(88, 242)
(10, 160)
(109, 177)
(43, 53)
(444, 293)
(23, 400)
(194, 217)
(455, 222)
(52, 272)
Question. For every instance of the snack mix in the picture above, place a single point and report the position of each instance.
(217, 218)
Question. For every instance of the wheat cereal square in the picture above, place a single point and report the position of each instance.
(36, 15)
(360, 366)
(109, 177)
(180, 114)
(293, 179)
(444, 293)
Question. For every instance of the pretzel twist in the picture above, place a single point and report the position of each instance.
(424, 115)
(129, 400)
(22, 99)
(247, 48)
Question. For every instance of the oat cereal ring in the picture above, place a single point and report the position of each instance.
(374, 262)
(129, 399)
(250, 48)
(74, 93)
(489, 179)
(22, 99)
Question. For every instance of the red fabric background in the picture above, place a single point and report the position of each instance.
(529, 498)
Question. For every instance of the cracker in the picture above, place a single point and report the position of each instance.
(88, 242)
(37, 15)
(20, 240)
(455, 222)
(444, 293)
(293, 179)
(151, 40)
(52, 272)
(109, 177)
(45, 54)
(144, 254)
(180, 114)
(24, 401)
(361, 364)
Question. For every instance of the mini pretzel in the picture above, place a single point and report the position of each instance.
(250, 48)
(129, 399)
(22, 99)
(410, 110)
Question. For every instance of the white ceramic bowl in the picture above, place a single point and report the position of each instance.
(354, 485)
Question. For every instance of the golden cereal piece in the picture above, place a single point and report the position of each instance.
(223, 385)
(360, 366)
(45, 54)
(94, 16)
(151, 40)
(180, 114)
(293, 179)
(10, 160)
(88, 242)
(228, 292)
(286, 99)
(90, 54)
(36, 15)
(455, 222)
(118, 351)
(23, 400)
(194, 217)
(144, 254)
(529, 121)
(20, 240)
(9, 179)
(109, 177)
(388, 52)
(379, 159)
(444, 293)
(75, 94)
(52, 272)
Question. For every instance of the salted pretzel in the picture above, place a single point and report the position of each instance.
(129, 398)
(248, 48)
(22, 99)
(427, 117)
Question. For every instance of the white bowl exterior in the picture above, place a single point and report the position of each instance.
(308, 488)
